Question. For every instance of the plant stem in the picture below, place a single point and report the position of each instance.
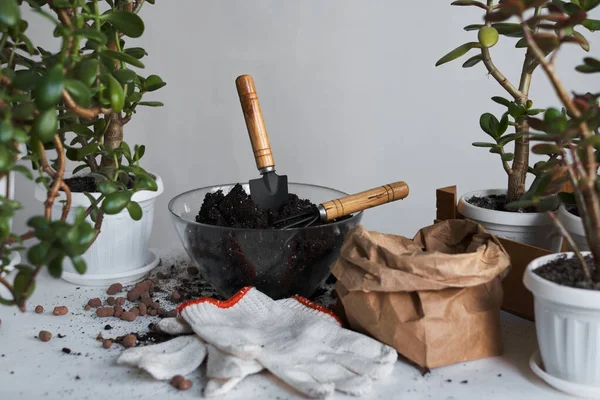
(112, 138)
(588, 181)
(58, 179)
(517, 181)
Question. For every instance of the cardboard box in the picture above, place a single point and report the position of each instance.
(517, 299)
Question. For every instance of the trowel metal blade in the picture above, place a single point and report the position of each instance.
(270, 191)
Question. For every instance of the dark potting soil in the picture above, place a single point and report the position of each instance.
(568, 272)
(495, 202)
(237, 210)
(81, 184)
(572, 209)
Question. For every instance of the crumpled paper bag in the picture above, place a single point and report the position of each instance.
(435, 299)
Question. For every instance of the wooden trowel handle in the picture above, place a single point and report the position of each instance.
(254, 122)
(361, 201)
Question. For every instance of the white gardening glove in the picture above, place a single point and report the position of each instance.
(179, 356)
(301, 343)
(223, 370)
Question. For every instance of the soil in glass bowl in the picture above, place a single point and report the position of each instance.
(280, 263)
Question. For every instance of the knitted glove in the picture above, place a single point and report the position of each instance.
(300, 342)
(184, 354)
(179, 356)
(223, 370)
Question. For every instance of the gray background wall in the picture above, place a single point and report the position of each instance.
(349, 92)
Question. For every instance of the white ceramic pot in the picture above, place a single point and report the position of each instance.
(7, 189)
(534, 229)
(567, 322)
(574, 226)
(120, 252)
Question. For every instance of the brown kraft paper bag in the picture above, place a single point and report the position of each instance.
(435, 299)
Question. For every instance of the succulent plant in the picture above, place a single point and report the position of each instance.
(569, 134)
(548, 33)
(76, 102)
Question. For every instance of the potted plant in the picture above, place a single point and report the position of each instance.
(491, 207)
(565, 285)
(75, 102)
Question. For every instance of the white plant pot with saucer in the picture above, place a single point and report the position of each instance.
(534, 229)
(120, 252)
(574, 225)
(7, 189)
(567, 323)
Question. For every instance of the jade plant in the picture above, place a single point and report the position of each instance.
(513, 128)
(74, 103)
(569, 133)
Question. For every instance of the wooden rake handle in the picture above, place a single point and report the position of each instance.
(254, 122)
(361, 201)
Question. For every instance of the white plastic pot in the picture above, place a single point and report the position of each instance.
(120, 252)
(534, 229)
(567, 323)
(7, 189)
(574, 226)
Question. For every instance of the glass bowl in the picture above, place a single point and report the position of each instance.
(279, 263)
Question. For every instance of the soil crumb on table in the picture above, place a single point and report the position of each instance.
(567, 271)
(238, 210)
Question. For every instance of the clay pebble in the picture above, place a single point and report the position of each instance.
(128, 316)
(118, 311)
(129, 341)
(45, 336)
(96, 302)
(179, 382)
(60, 310)
(114, 289)
(104, 312)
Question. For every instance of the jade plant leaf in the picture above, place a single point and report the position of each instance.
(127, 22)
(9, 12)
(457, 52)
(123, 57)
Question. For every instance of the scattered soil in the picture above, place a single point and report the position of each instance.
(188, 283)
(279, 263)
(568, 272)
(495, 202)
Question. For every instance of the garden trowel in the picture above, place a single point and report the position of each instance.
(270, 191)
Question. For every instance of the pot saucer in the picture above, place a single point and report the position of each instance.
(126, 277)
(572, 388)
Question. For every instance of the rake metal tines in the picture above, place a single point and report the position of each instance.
(302, 220)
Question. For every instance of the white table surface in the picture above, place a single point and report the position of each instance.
(31, 369)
